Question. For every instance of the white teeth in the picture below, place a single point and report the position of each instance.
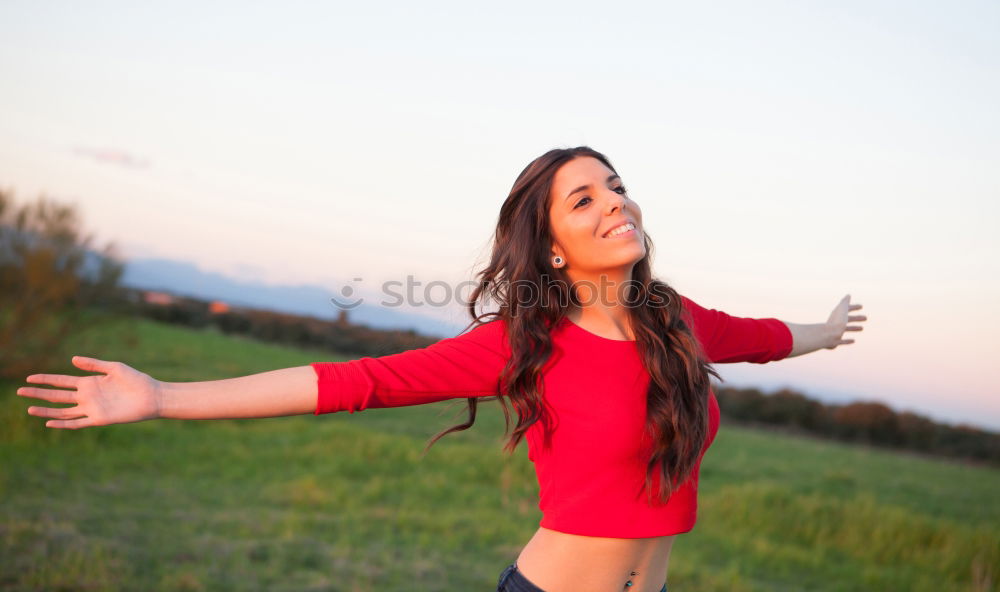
(620, 229)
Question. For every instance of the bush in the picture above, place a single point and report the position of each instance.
(48, 277)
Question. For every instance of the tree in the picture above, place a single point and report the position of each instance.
(49, 279)
(871, 421)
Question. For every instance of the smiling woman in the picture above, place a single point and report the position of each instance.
(609, 378)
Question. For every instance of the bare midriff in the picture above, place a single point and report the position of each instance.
(560, 562)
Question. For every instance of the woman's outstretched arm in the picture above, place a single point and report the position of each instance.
(288, 391)
(122, 394)
(465, 366)
(729, 338)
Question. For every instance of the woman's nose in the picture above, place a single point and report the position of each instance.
(617, 201)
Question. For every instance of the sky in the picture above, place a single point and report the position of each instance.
(784, 154)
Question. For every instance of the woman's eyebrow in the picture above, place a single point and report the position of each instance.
(588, 186)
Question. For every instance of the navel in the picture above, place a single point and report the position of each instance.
(628, 584)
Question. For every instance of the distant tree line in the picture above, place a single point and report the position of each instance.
(336, 335)
(867, 422)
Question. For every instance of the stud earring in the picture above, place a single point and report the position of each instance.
(557, 260)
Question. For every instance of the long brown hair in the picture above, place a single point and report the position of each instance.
(520, 270)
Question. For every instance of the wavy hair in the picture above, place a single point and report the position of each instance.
(520, 271)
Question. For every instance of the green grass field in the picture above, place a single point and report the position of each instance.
(345, 502)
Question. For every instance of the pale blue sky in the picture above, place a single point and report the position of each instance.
(784, 153)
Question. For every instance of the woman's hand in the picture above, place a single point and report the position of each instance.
(121, 394)
(839, 319)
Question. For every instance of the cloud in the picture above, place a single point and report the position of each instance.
(112, 156)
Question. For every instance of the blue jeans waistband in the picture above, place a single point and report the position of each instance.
(512, 580)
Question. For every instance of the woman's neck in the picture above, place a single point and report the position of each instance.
(612, 322)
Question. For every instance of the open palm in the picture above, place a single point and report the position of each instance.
(121, 394)
(841, 318)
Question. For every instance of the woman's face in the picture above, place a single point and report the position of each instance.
(588, 200)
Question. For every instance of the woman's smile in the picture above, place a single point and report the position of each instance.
(626, 230)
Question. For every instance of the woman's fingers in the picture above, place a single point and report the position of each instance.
(67, 381)
(65, 417)
(56, 412)
(92, 364)
(51, 395)
(72, 424)
(55, 380)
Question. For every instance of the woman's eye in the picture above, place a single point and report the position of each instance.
(620, 190)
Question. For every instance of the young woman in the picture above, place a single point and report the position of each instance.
(607, 368)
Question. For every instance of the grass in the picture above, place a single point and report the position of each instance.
(345, 501)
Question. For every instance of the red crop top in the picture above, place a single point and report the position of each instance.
(592, 472)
